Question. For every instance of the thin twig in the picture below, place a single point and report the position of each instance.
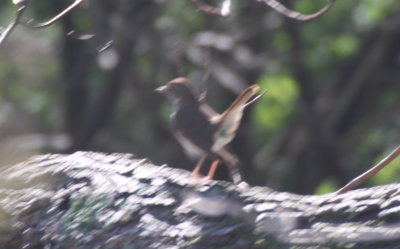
(13, 24)
(105, 47)
(224, 11)
(371, 172)
(277, 6)
(206, 76)
(55, 18)
(73, 34)
(30, 24)
(179, 60)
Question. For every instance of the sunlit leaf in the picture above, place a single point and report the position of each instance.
(277, 104)
(370, 12)
(389, 174)
(345, 45)
(327, 186)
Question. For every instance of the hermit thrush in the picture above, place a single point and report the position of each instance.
(202, 131)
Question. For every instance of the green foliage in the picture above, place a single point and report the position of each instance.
(145, 65)
(42, 9)
(327, 186)
(308, 6)
(179, 16)
(389, 174)
(7, 13)
(345, 45)
(273, 109)
(38, 102)
(370, 12)
(389, 98)
(282, 41)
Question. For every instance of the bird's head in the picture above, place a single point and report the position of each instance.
(177, 90)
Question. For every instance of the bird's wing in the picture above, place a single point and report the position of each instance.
(208, 112)
(193, 126)
(228, 122)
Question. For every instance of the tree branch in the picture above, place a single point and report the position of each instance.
(276, 5)
(13, 24)
(55, 18)
(20, 11)
(370, 173)
(280, 8)
(206, 76)
(224, 11)
(65, 199)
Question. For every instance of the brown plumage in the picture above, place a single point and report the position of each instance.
(202, 131)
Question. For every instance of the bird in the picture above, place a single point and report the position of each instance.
(200, 130)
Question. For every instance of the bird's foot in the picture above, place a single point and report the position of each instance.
(196, 175)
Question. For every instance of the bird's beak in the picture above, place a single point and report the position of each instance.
(161, 89)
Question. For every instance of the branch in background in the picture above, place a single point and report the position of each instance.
(13, 24)
(224, 11)
(105, 47)
(373, 171)
(206, 76)
(280, 8)
(22, 7)
(55, 18)
(77, 36)
(277, 6)
(179, 60)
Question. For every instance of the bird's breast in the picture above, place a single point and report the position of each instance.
(191, 150)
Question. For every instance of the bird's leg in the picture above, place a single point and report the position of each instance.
(196, 171)
(232, 162)
(212, 170)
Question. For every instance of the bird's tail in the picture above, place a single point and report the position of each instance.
(229, 121)
(243, 97)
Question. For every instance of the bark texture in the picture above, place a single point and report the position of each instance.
(95, 200)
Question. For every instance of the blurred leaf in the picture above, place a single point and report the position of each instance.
(41, 9)
(307, 6)
(378, 9)
(318, 56)
(389, 174)
(345, 45)
(370, 12)
(282, 41)
(389, 98)
(144, 64)
(327, 186)
(181, 17)
(277, 104)
(37, 101)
